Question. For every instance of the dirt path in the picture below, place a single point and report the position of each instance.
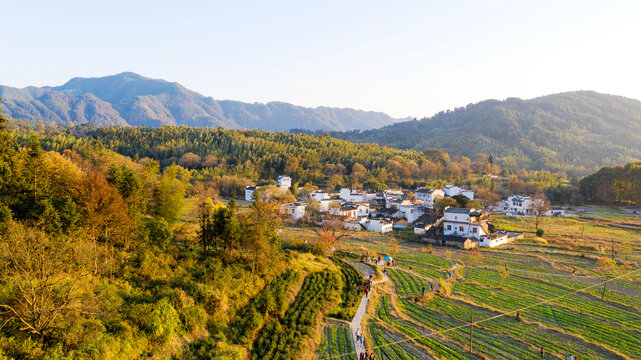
(364, 269)
(358, 319)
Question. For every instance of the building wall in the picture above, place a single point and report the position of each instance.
(249, 194)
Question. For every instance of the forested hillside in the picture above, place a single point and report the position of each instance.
(575, 132)
(131, 99)
(614, 185)
(232, 159)
(107, 257)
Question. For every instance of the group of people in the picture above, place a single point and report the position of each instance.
(367, 356)
(431, 289)
(573, 357)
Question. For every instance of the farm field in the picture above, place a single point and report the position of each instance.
(549, 298)
(335, 340)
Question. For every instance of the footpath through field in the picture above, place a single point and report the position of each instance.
(358, 319)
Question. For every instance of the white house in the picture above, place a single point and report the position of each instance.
(519, 205)
(347, 210)
(249, 192)
(428, 196)
(295, 210)
(284, 181)
(378, 225)
(464, 223)
(319, 195)
(424, 223)
(353, 195)
(452, 190)
(323, 205)
(495, 239)
(362, 209)
(412, 212)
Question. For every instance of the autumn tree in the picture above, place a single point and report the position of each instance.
(168, 197)
(539, 206)
(42, 275)
(106, 216)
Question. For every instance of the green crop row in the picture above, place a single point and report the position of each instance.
(384, 346)
(442, 348)
(336, 341)
(553, 341)
(283, 339)
(270, 302)
(407, 284)
(351, 292)
(597, 321)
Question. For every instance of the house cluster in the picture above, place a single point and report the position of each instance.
(395, 209)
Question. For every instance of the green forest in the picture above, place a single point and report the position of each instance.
(222, 162)
(619, 185)
(575, 132)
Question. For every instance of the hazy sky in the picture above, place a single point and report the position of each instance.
(404, 58)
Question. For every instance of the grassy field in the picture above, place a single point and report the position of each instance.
(554, 283)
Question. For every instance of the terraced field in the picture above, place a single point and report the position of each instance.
(336, 341)
(407, 284)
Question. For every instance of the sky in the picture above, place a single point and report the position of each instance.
(405, 58)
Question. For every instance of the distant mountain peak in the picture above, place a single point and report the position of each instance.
(133, 99)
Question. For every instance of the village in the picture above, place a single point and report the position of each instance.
(402, 210)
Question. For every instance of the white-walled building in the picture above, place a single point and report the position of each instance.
(347, 210)
(519, 205)
(324, 205)
(425, 223)
(353, 195)
(378, 225)
(295, 210)
(493, 240)
(452, 190)
(362, 209)
(428, 196)
(319, 195)
(464, 223)
(249, 192)
(412, 212)
(284, 181)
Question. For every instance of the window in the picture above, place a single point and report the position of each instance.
(460, 228)
(449, 227)
(474, 230)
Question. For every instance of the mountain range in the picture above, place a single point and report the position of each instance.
(577, 131)
(130, 99)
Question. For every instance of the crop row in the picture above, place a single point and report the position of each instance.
(407, 284)
(629, 318)
(351, 292)
(283, 339)
(427, 259)
(437, 345)
(385, 347)
(337, 341)
(270, 302)
(484, 342)
(578, 315)
(553, 341)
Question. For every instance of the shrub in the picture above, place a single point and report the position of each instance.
(540, 232)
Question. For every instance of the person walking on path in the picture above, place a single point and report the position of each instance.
(431, 286)
(423, 291)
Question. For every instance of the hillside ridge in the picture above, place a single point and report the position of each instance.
(132, 99)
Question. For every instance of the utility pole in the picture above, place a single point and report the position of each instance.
(612, 249)
(471, 327)
(604, 283)
(541, 353)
